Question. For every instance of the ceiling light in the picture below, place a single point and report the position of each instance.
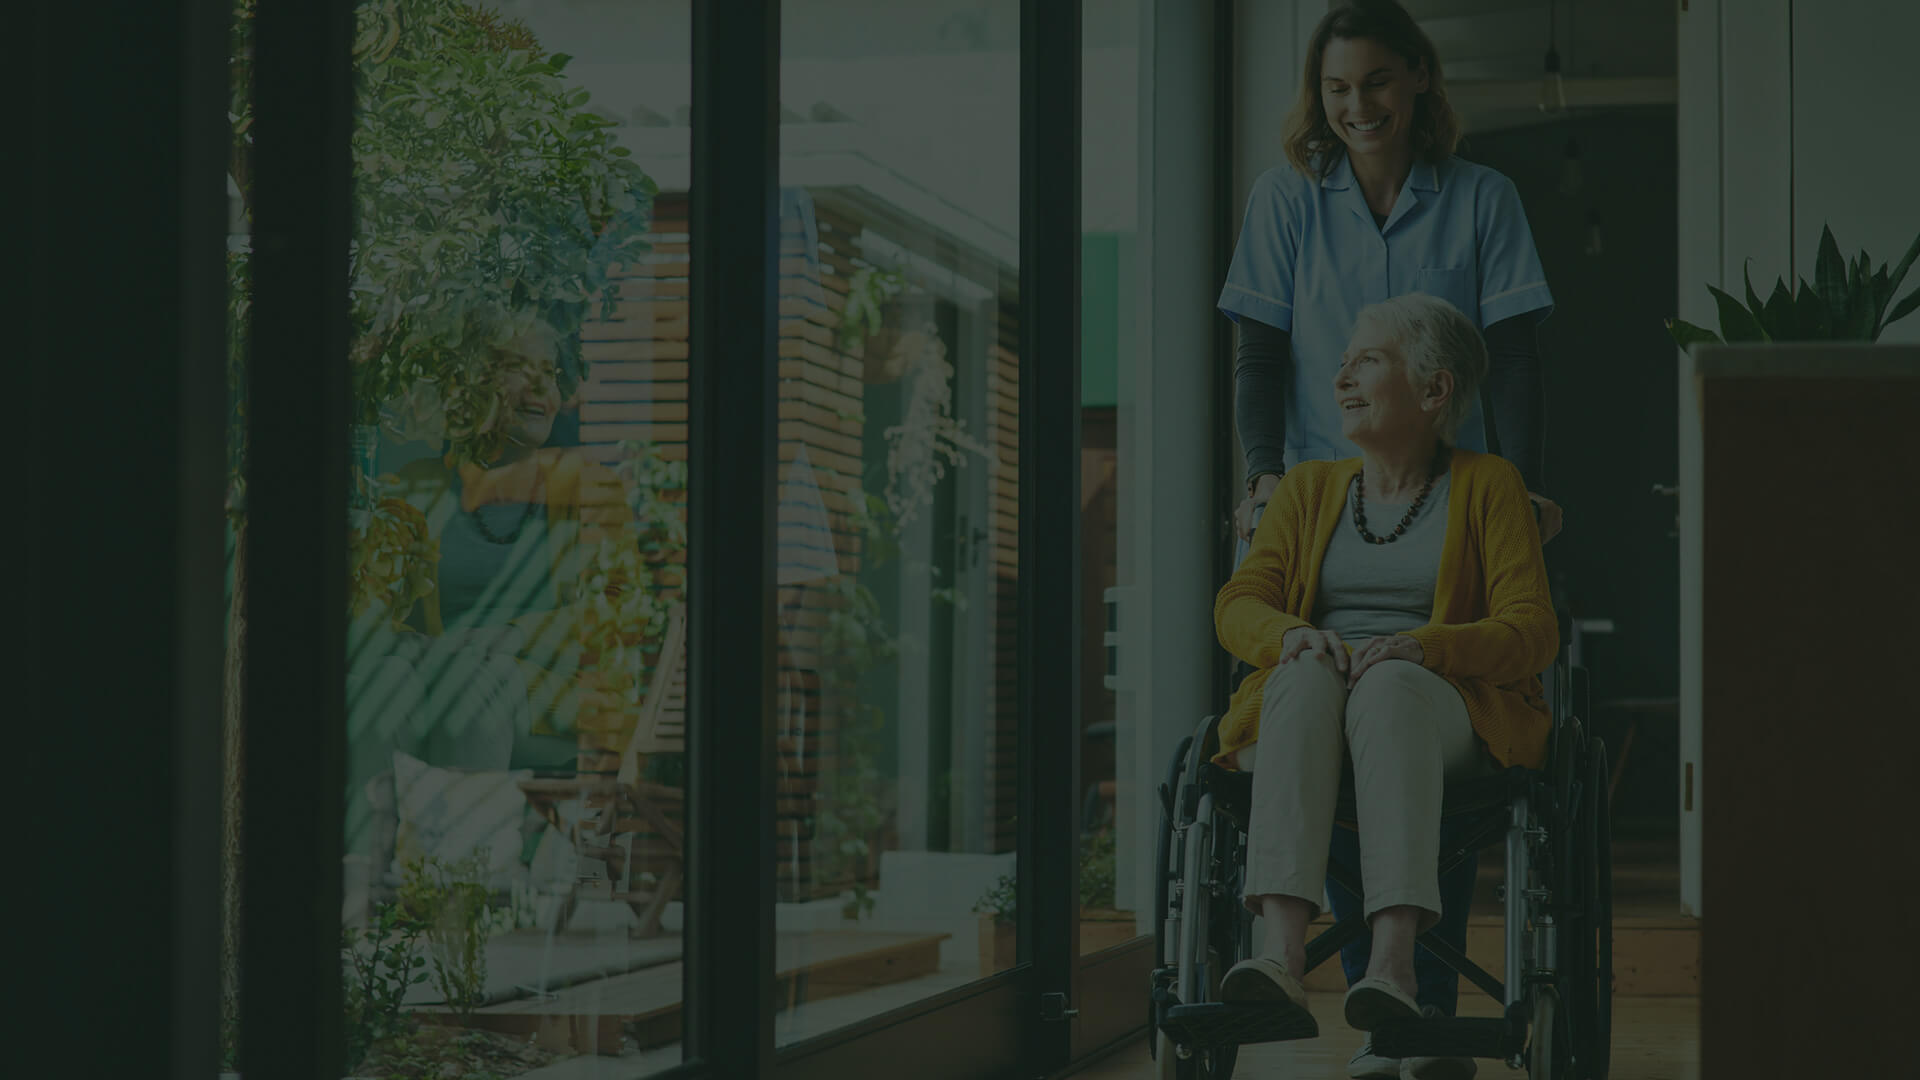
(1572, 176)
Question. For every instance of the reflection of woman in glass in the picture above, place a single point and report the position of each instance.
(489, 677)
(499, 522)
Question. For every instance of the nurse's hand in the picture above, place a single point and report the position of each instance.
(1549, 516)
(1243, 518)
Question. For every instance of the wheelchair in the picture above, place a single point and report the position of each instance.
(1557, 988)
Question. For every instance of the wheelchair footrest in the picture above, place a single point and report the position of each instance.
(1221, 1024)
(1467, 1036)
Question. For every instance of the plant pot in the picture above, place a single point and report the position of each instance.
(906, 327)
(1104, 928)
(999, 947)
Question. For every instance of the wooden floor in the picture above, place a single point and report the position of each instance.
(1656, 963)
(1653, 1039)
(1656, 1032)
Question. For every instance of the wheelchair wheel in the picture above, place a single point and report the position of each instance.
(1212, 1063)
(1232, 933)
(1229, 926)
(1546, 1054)
(1162, 879)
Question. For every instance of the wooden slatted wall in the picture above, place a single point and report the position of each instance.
(637, 390)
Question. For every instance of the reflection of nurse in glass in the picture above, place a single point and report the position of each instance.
(1372, 205)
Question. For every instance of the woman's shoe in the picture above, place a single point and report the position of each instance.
(1263, 980)
(1367, 1065)
(1373, 1001)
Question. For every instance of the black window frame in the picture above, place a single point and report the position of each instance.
(299, 435)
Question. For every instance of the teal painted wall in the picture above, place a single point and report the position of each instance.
(1106, 277)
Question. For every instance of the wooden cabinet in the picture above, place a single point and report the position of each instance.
(1800, 623)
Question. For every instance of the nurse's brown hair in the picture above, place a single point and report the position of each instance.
(1436, 128)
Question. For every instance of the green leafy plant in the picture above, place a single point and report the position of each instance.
(867, 294)
(634, 573)
(449, 902)
(859, 639)
(1097, 870)
(850, 812)
(1847, 301)
(382, 963)
(437, 1052)
(1001, 900)
(1097, 879)
(487, 194)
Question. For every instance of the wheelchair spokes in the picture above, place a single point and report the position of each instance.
(1557, 985)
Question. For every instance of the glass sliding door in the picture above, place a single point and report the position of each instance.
(502, 573)
(1116, 826)
(898, 507)
(518, 646)
(515, 842)
(911, 881)
(1110, 181)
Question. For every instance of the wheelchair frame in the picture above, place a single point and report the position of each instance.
(1557, 985)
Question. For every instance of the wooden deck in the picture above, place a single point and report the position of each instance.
(598, 1015)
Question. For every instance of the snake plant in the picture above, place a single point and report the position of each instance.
(1846, 302)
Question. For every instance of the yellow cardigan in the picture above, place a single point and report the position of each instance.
(1493, 627)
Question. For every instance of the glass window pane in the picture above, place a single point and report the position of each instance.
(516, 742)
(898, 511)
(1110, 170)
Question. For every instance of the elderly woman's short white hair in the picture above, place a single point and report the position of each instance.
(1433, 337)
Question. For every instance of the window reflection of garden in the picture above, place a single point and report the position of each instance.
(508, 584)
(519, 296)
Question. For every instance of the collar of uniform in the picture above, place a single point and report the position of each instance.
(1424, 176)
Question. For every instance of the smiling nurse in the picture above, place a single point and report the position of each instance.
(1373, 205)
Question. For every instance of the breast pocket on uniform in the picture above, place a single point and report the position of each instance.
(1455, 286)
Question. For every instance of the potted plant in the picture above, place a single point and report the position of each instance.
(998, 911)
(871, 321)
(1102, 926)
(1846, 302)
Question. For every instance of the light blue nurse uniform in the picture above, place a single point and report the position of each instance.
(1310, 257)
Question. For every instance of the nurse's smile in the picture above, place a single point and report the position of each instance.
(1368, 91)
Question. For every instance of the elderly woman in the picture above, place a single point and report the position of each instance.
(1395, 607)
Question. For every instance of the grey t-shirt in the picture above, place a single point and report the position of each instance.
(1372, 590)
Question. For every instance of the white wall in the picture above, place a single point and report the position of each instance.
(1269, 38)
(1793, 116)
(1856, 158)
(1165, 543)
(1166, 533)
(1790, 116)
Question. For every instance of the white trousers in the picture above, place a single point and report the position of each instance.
(1408, 733)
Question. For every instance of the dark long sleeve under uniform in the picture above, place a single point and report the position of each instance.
(1513, 398)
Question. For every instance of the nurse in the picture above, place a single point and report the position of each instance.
(1373, 204)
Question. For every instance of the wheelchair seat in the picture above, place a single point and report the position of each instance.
(1232, 791)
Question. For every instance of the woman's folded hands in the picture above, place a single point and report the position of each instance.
(1308, 640)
